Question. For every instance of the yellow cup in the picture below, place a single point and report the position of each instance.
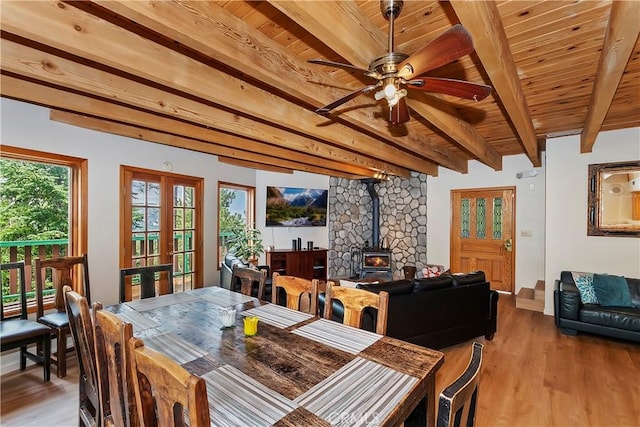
(250, 325)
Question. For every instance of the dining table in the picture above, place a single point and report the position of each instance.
(297, 370)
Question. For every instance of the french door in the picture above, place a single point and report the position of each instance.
(482, 227)
(161, 218)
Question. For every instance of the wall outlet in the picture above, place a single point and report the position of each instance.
(526, 233)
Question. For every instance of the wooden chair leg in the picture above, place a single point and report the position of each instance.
(46, 358)
(61, 353)
(23, 357)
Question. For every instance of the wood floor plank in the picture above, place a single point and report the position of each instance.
(531, 376)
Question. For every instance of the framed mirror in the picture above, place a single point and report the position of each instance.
(614, 199)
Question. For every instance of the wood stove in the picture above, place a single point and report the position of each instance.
(376, 263)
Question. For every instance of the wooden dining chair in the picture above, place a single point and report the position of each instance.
(63, 272)
(147, 277)
(249, 281)
(354, 302)
(295, 288)
(164, 390)
(81, 327)
(457, 403)
(117, 397)
(17, 331)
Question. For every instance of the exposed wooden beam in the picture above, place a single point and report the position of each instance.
(244, 48)
(482, 20)
(361, 35)
(72, 30)
(341, 26)
(229, 153)
(620, 39)
(253, 165)
(39, 65)
(56, 98)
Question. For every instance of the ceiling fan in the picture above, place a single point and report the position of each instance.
(396, 72)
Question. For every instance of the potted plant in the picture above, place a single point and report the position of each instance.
(246, 243)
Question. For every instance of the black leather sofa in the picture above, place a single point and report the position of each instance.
(573, 316)
(230, 261)
(434, 312)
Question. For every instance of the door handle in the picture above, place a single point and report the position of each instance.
(508, 245)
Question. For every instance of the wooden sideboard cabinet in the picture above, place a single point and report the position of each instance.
(306, 264)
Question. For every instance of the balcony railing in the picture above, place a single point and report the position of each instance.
(28, 251)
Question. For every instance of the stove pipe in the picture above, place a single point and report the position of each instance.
(375, 223)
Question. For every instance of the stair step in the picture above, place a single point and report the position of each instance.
(526, 300)
(539, 290)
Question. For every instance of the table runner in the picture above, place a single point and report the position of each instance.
(337, 335)
(161, 301)
(139, 321)
(276, 315)
(174, 347)
(360, 393)
(225, 298)
(235, 399)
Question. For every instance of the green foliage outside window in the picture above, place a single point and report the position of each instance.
(34, 205)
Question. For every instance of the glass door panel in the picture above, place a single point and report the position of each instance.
(184, 212)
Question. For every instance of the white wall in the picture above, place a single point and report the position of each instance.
(281, 237)
(28, 126)
(530, 193)
(567, 245)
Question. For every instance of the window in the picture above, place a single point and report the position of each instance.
(44, 210)
(236, 207)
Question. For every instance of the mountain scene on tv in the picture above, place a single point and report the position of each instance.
(296, 207)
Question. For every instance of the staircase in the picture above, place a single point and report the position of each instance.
(531, 299)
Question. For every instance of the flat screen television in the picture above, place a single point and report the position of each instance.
(296, 207)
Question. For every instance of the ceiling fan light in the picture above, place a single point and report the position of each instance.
(390, 91)
(379, 95)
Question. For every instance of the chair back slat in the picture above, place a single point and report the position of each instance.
(457, 403)
(354, 302)
(81, 326)
(165, 392)
(248, 279)
(117, 397)
(17, 274)
(295, 288)
(147, 277)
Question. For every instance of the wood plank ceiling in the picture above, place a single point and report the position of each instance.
(231, 78)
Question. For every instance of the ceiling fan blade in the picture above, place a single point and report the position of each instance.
(346, 98)
(445, 48)
(399, 113)
(337, 65)
(460, 88)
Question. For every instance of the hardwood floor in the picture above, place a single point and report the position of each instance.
(531, 376)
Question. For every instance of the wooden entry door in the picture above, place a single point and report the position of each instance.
(161, 222)
(482, 236)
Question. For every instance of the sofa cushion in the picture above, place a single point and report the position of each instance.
(468, 278)
(584, 283)
(396, 287)
(613, 317)
(612, 291)
(432, 283)
(634, 290)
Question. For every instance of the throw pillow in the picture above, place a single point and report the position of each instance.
(584, 282)
(432, 270)
(612, 291)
